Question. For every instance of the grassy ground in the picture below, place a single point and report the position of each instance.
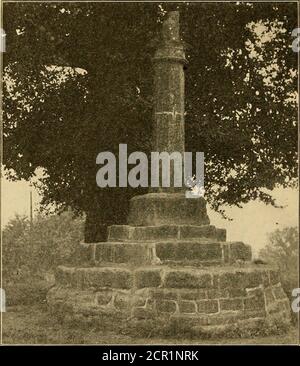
(33, 325)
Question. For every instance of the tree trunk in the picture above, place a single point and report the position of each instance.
(95, 229)
(112, 210)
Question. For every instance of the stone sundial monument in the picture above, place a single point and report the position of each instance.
(169, 268)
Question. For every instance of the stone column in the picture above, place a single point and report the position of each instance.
(169, 59)
(168, 205)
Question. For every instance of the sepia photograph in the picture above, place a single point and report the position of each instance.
(149, 184)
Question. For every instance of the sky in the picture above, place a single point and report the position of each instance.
(251, 224)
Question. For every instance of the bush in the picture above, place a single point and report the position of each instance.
(31, 251)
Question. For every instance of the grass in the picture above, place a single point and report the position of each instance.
(32, 324)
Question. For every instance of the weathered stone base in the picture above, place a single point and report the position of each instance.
(201, 252)
(179, 300)
(170, 272)
(167, 208)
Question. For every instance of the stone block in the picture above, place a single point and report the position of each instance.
(98, 277)
(231, 304)
(254, 303)
(207, 306)
(164, 294)
(187, 279)
(216, 282)
(78, 278)
(104, 297)
(155, 209)
(147, 278)
(166, 306)
(189, 250)
(187, 306)
(240, 279)
(269, 295)
(217, 294)
(190, 231)
(240, 251)
(122, 301)
(278, 292)
(138, 301)
(85, 252)
(122, 252)
(122, 278)
(119, 232)
(286, 305)
(155, 232)
(64, 275)
(225, 253)
(227, 280)
(192, 294)
(142, 313)
(221, 234)
(83, 299)
(274, 277)
(257, 291)
(265, 278)
(237, 292)
(163, 232)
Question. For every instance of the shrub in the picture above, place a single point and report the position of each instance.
(282, 251)
(30, 251)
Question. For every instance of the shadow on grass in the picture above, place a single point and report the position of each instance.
(32, 324)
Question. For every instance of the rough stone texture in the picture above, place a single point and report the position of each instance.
(187, 279)
(148, 278)
(155, 209)
(184, 299)
(239, 251)
(163, 232)
(183, 252)
(188, 250)
(207, 306)
(95, 277)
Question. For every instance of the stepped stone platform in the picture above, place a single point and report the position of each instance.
(182, 278)
(201, 245)
(183, 299)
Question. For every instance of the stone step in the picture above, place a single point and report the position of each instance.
(167, 283)
(186, 299)
(189, 252)
(163, 232)
(167, 208)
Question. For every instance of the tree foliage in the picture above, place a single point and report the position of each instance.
(78, 81)
(282, 251)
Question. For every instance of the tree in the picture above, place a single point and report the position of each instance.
(78, 81)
